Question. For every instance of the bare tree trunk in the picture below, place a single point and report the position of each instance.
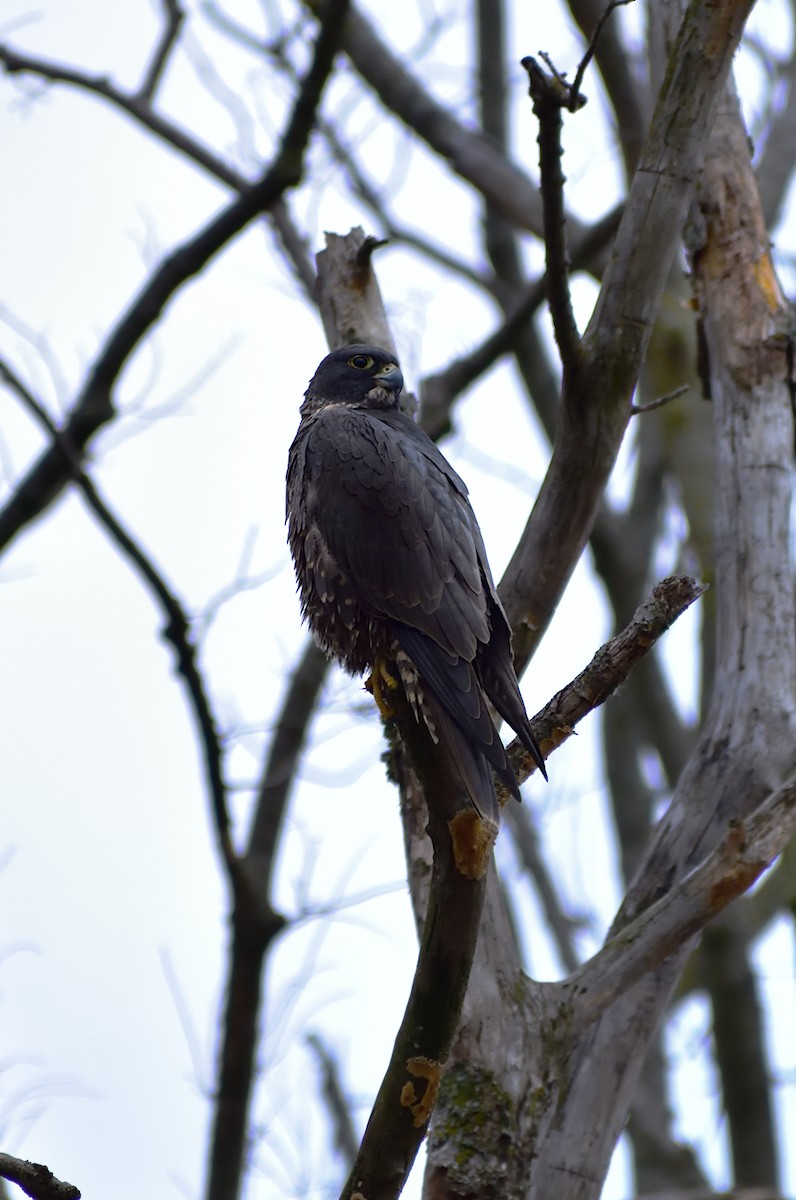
(747, 747)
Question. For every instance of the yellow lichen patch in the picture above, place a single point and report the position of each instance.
(430, 1071)
(557, 736)
(473, 839)
(768, 283)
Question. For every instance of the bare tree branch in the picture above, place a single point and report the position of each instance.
(611, 665)
(94, 406)
(595, 37)
(294, 246)
(469, 154)
(176, 630)
(345, 1136)
(746, 850)
(562, 926)
(550, 94)
(36, 1180)
(137, 105)
(279, 773)
(168, 40)
(629, 100)
(406, 1098)
(439, 391)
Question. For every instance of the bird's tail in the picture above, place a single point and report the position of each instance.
(445, 691)
(500, 684)
(468, 761)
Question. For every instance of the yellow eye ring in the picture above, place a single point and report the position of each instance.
(362, 362)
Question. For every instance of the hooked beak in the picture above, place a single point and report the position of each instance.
(390, 376)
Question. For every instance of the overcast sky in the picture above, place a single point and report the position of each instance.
(114, 910)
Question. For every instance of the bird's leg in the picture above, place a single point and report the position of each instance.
(380, 678)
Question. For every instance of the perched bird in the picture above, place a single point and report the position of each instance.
(391, 567)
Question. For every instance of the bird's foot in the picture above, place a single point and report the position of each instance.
(379, 679)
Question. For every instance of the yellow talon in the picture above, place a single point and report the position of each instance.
(379, 678)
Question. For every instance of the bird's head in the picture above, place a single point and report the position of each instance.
(358, 376)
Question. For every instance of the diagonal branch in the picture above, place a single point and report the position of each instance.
(94, 406)
(439, 391)
(748, 847)
(468, 153)
(176, 629)
(138, 106)
(168, 40)
(560, 924)
(608, 670)
(135, 104)
(287, 746)
(36, 1180)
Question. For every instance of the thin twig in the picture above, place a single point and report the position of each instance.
(346, 1139)
(94, 406)
(135, 104)
(294, 247)
(176, 629)
(465, 150)
(550, 94)
(168, 40)
(595, 37)
(363, 188)
(562, 927)
(394, 231)
(138, 105)
(628, 92)
(439, 391)
(609, 668)
(659, 401)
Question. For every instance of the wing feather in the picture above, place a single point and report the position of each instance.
(391, 519)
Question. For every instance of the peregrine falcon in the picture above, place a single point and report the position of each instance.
(391, 567)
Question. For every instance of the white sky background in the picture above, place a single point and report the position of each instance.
(113, 926)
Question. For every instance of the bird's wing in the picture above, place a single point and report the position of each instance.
(493, 662)
(396, 522)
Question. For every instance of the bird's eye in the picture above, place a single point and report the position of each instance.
(361, 362)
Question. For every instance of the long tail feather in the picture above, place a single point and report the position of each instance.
(500, 685)
(470, 764)
(452, 689)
